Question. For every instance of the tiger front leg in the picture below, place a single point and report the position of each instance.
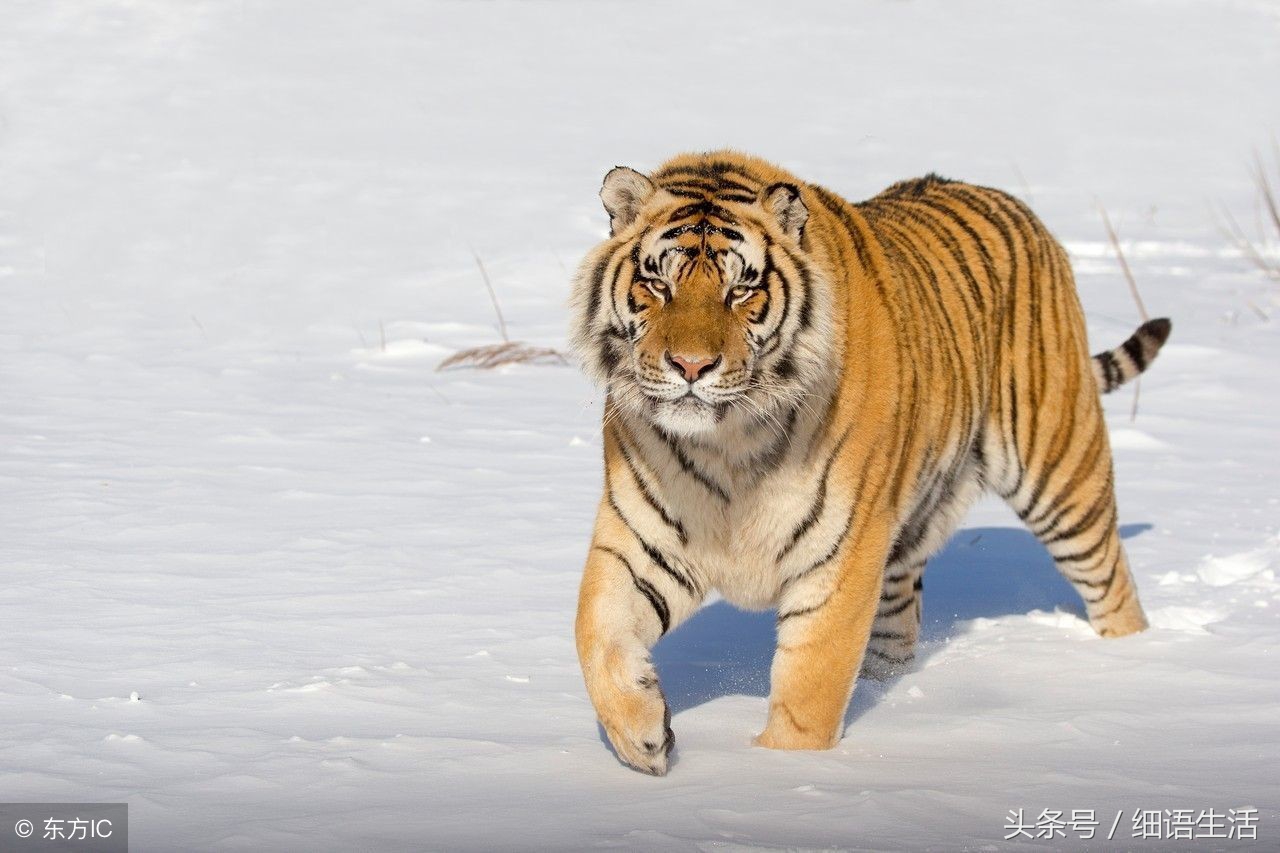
(625, 605)
(824, 622)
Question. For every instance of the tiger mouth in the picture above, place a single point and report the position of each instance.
(691, 398)
(686, 400)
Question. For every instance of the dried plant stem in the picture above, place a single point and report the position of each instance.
(1266, 190)
(1235, 234)
(507, 352)
(1137, 298)
(496, 355)
(497, 309)
(1270, 205)
(1124, 264)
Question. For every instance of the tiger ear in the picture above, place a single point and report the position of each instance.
(784, 202)
(624, 192)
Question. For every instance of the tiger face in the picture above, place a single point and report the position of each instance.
(703, 308)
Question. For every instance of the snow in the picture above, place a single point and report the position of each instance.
(279, 584)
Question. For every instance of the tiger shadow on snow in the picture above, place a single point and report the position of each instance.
(983, 572)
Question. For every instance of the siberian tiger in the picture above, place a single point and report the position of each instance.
(803, 397)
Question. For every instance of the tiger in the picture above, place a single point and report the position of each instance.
(802, 397)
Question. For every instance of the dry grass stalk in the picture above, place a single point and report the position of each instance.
(493, 297)
(1237, 237)
(1137, 297)
(1265, 189)
(1257, 251)
(508, 352)
(1124, 264)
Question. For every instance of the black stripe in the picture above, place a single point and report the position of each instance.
(608, 356)
(750, 192)
(1085, 522)
(691, 183)
(661, 561)
(702, 208)
(673, 523)
(710, 175)
(956, 250)
(687, 465)
(1133, 348)
(820, 500)
(907, 571)
(939, 490)
(1124, 599)
(804, 611)
(655, 599)
(683, 193)
(771, 458)
(1086, 553)
(888, 657)
(1108, 364)
(646, 589)
(775, 337)
(805, 313)
(1084, 468)
(654, 554)
(907, 601)
(785, 367)
(839, 207)
(835, 549)
(597, 284)
(985, 207)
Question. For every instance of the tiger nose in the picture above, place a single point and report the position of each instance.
(692, 367)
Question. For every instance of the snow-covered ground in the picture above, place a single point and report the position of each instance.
(235, 242)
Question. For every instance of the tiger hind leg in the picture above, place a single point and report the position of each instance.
(892, 646)
(1071, 508)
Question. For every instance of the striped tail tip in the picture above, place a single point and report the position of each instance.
(1113, 368)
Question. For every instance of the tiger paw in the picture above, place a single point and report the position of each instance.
(639, 728)
(784, 731)
(1127, 619)
(633, 711)
(883, 667)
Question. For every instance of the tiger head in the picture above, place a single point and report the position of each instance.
(703, 308)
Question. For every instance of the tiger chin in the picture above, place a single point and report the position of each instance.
(803, 397)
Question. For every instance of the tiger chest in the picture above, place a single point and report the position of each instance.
(745, 548)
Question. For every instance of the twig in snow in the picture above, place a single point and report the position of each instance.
(1265, 189)
(1124, 264)
(496, 355)
(1137, 297)
(507, 352)
(497, 309)
(1268, 197)
(1236, 235)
